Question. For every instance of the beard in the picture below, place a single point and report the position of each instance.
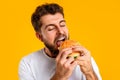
(54, 51)
(53, 47)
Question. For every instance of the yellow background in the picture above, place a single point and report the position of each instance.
(94, 23)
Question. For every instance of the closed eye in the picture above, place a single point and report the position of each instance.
(50, 28)
(62, 24)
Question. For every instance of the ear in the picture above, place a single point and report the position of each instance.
(39, 36)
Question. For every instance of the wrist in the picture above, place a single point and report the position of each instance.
(91, 76)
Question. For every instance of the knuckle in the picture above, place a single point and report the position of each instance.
(60, 62)
(65, 65)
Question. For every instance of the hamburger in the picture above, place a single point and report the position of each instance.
(70, 43)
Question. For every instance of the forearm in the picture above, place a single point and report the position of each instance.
(56, 77)
(91, 76)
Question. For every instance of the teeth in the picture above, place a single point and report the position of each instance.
(61, 38)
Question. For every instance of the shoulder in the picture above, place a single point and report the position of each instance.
(32, 56)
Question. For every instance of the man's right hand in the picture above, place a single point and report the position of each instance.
(64, 65)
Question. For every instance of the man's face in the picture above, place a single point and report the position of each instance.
(53, 31)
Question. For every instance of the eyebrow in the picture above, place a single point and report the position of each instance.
(62, 21)
(53, 24)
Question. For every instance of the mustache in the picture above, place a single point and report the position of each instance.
(61, 35)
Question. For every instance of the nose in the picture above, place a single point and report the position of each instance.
(60, 30)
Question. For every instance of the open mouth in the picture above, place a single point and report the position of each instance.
(60, 40)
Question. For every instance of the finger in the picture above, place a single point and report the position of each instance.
(69, 61)
(81, 63)
(73, 64)
(65, 54)
(80, 49)
(80, 58)
(63, 51)
(70, 66)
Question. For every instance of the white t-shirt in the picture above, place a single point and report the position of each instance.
(38, 66)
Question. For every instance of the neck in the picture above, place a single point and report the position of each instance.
(47, 51)
(52, 54)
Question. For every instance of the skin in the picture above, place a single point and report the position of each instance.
(53, 28)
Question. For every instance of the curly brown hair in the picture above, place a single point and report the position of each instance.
(42, 10)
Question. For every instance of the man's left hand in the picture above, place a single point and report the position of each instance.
(84, 61)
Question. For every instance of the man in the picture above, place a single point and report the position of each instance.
(49, 63)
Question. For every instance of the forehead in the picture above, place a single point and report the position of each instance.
(51, 19)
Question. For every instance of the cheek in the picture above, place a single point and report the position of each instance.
(66, 31)
(50, 36)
